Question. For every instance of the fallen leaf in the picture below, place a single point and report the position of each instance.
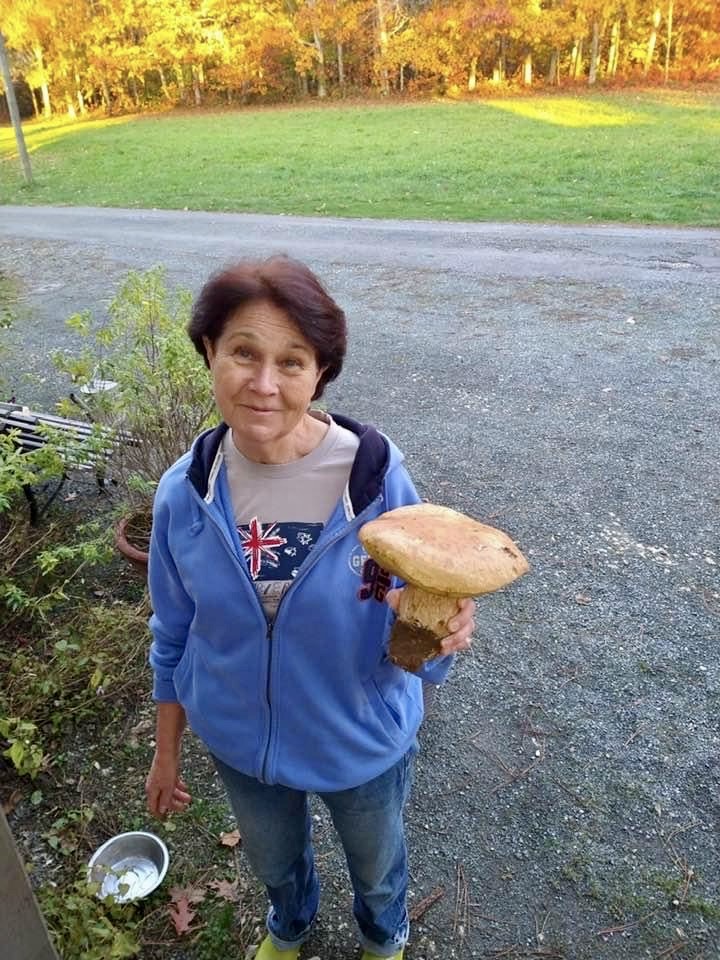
(583, 600)
(191, 894)
(231, 839)
(182, 915)
(226, 889)
(12, 801)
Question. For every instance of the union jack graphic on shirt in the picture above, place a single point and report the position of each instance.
(274, 551)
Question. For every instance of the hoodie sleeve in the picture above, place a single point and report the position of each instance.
(400, 492)
(173, 608)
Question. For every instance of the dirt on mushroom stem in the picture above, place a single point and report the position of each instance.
(421, 626)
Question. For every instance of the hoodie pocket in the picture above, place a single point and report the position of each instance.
(388, 717)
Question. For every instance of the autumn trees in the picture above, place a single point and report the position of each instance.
(123, 54)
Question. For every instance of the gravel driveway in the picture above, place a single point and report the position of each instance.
(561, 383)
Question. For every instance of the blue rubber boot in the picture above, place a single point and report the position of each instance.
(268, 951)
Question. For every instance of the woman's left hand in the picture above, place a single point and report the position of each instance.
(460, 626)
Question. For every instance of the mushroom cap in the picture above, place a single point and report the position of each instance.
(443, 551)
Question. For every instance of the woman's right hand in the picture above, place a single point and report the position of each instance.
(165, 789)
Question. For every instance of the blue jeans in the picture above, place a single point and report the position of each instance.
(275, 826)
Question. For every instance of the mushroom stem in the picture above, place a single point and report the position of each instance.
(420, 626)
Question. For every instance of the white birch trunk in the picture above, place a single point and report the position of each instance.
(317, 42)
(594, 53)
(341, 66)
(44, 90)
(382, 38)
(472, 75)
(652, 40)
(614, 51)
(576, 64)
(668, 39)
(527, 70)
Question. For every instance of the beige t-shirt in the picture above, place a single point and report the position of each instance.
(281, 508)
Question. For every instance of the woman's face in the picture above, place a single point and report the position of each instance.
(265, 374)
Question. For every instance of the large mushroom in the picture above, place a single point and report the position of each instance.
(441, 555)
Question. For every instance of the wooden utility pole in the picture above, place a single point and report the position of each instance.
(14, 112)
(23, 934)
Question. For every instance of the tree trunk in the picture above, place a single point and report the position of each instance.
(499, 68)
(36, 105)
(163, 84)
(45, 92)
(652, 40)
(553, 74)
(106, 95)
(472, 75)
(527, 70)
(196, 86)
(594, 53)
(576, 65)
(134, 89)
(340, 65)
(79, 95)
(180, 71)
(320, 69)
(668, 38)
(614, 51)
(382, 38)
(679, 46)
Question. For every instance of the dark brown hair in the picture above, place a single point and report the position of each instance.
(289, 285)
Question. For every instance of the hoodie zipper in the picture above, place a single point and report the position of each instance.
(315, 556)
(270, 626)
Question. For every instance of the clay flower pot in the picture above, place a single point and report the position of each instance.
(132, 538)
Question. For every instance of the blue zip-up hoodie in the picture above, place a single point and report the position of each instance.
(311, 701)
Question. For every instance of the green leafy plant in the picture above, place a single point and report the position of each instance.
(67, 831)
(161, 395)
(85, 928)
(24, 750)
(64, 656)
(18, 469)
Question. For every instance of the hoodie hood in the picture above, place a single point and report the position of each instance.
(366, 477)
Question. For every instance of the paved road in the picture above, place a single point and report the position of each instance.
(487, 249)
(562, 383)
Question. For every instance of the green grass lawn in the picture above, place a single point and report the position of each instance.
(647, 157)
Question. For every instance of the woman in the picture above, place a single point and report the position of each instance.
(269, 629)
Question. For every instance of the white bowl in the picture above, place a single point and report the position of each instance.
(129, 866)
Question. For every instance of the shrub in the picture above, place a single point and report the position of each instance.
(161, 396)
